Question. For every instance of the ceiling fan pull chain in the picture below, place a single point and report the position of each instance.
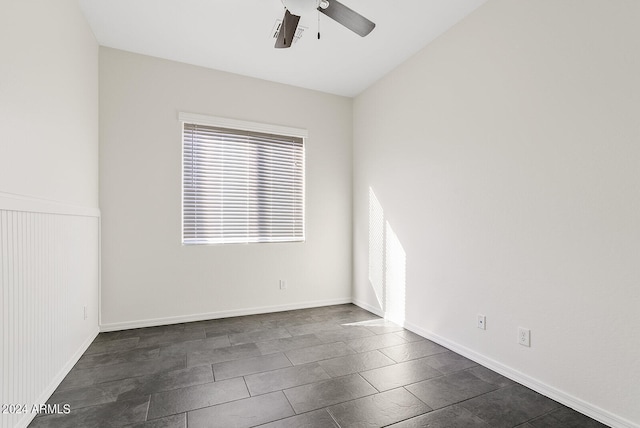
(318, 25)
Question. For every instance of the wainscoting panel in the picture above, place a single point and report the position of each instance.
(49, 303)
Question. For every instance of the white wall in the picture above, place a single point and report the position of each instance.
(148, 277)
(48, 102)
(505, 157)
(49, 220)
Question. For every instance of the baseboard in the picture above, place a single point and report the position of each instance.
(221, 314)
(368, 307)
(57, 380)
(568, 400)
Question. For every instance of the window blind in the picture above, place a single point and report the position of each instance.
(241, 186)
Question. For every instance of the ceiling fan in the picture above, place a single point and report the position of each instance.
(332, 8)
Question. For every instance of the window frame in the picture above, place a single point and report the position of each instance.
(246, 126)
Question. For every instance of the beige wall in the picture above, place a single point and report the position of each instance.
(147, 275)
(505, 157)
(48, 102)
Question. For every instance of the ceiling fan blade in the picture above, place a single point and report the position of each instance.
(348, 17)
(287, 30)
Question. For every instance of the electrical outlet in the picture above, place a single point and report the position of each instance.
(85, 313)
(482, 322)
(283, 284)
(524, 336)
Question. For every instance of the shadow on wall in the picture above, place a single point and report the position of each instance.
(387, 263)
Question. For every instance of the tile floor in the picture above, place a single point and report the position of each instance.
(337, 366)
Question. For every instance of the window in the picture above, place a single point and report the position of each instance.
(241, 182)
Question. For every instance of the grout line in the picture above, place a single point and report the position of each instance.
(418, 398)
(363, 378)
(326, 409)
(288, 359)
(545, 414)
(246, 386)
(146, 414)
(288, 401)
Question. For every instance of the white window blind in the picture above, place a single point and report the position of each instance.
(241, 186)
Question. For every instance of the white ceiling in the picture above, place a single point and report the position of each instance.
(235, 36)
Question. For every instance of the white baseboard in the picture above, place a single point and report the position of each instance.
(221, 314)
(568, 400)
(56, 381)
(368, 307)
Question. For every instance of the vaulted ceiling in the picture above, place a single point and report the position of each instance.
(237, 36)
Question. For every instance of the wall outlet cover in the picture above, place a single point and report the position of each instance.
(482, 322)
(524, 336)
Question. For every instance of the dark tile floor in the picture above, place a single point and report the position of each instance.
(337, 366)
